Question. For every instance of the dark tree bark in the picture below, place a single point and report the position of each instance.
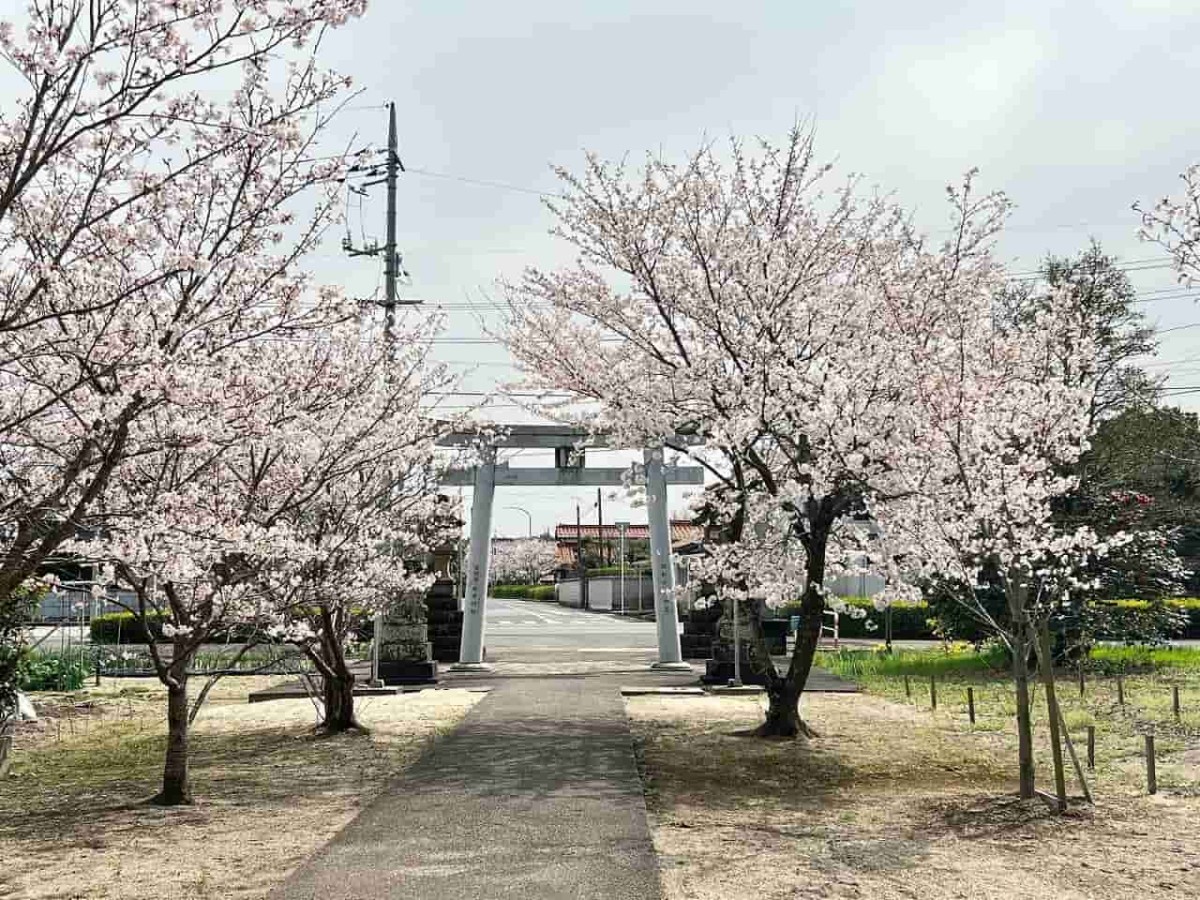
(339, 704)
(176, 789)
(1022, 644)
(783, 692)
(339, 680)
(1024, 722)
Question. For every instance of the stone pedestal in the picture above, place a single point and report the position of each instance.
(444, 621)
(405, 652)
(720, 668)
(700, 630)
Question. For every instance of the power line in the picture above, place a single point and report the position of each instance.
(483, 182)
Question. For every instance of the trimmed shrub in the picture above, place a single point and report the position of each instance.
(522, 591)
(632, 570)
(40, 671)
(125, 628)
(910, 621)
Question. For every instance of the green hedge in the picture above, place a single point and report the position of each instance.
(913, 621)
(53, 671)
(631, 570)
(910, 621)
(523, 591)
(126, 628)
(1188, 605)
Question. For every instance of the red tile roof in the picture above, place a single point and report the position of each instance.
(682, 532)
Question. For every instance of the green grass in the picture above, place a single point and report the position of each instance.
(1149, 677)
(868, 665)
(1129, 659)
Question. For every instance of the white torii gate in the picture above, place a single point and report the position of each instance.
(488, 474)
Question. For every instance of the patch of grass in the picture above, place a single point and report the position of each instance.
(1129, 659)
(1149, 677)
(957, 660)
(891, 802)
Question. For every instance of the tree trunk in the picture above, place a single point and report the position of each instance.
(175, 787)
(339, 703)
(339, 685)
(1020, 663)
(783, 693)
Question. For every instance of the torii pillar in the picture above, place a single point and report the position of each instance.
(662, 567)
(470, 654)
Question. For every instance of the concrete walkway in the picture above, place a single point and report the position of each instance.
(535, 795)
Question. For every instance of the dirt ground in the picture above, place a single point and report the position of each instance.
(890, 801)
(74, 822)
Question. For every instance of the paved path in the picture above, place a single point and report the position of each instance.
(535, 795)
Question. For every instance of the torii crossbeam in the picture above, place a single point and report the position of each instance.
(568, 470)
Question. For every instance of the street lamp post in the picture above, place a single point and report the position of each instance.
(527, 516)
(621, 526)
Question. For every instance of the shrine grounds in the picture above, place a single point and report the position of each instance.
(892, 800)
(897, 800)
(73, 818)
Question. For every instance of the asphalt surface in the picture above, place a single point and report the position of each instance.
(534, 796)
(515, 629)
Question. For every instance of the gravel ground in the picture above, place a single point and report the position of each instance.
(74, 824)
(888, 802)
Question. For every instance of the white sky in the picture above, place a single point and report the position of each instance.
(1074, 109)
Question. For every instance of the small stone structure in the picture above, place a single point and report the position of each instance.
(444, 620)
(700, 630)
(405, 652)
(720, 668)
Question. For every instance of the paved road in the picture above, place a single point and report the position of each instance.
(535, 795)
(516, 628)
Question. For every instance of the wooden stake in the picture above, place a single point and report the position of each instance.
(1121, 690)
(1081, 681)
(1045, 668)
(907, 688)
(1151, 775)
(1083, 785)
(1175, 700)
(932, 692)
(1091, 748)
(971, 704)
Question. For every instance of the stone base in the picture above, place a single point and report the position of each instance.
(408, 671)
(718, 671)
(470, 667)
(671, 667)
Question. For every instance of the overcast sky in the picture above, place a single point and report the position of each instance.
(1075, 109)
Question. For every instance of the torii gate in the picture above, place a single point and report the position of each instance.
(568, 471)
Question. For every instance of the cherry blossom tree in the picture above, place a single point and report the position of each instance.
(357, 496)
(142, 231)
(523, 561)
(1001, 415)
(306, 511)
(743, 313)
(1174, 224)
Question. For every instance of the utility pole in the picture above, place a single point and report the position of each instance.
(392, 269)
(600, 525)
(390, 259)
(583, 585)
